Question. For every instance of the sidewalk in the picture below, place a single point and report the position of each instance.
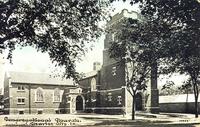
(165, 118)
(92, 119)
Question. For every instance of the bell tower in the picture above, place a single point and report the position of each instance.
(114, 76)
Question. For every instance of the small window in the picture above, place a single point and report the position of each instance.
(109, 96)
(40, 111)
(57, 111)
(69, 98)
(114, 69)
(20, 88)
(21, 112)
(21, 101)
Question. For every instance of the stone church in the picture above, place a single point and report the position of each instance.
(104, 89)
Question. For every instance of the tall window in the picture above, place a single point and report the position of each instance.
(109, 96)
(57, 97)
(93, 84)
(39, 95)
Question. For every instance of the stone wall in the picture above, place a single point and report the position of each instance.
(178, 103)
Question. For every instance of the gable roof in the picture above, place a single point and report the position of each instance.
(89, 74)
(38, 78)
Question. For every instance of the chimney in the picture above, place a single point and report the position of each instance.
(96, 66)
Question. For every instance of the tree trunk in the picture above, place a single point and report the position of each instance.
(196, 95)
(133, 109)
(187, 101)
(196, 107)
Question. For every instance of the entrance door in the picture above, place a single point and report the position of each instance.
(138, 102)
(79, 103)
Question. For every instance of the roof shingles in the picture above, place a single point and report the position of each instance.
(38, 78)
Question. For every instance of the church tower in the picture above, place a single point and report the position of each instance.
(113, 75)
(110, 95)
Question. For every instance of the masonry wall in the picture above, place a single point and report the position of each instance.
(48, 106)
(86, 82)
(178, 107)
(129, 102)
(111, 105)
(91, 97)
(112, 76)
(182, 103)
(14, 95)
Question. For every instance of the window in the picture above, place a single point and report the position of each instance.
(39, 95)
(57, 111)
(93, 84)
(68, 99)
(21, 112)
(109, 96)
(20, 100)
(57, 97)
(21, 88)
(40, 111)
(114, 69)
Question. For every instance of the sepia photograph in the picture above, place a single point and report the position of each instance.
(99, 63)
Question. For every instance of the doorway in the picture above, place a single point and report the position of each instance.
(138, 102)
(79, 103)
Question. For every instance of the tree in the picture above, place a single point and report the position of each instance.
(136, 72)
(187, 60)
(186, 47)
(139, 47)
(60, 28)
(181, 45)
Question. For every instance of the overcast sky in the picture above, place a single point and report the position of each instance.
(29, 60)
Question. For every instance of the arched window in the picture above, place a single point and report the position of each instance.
(93, 84)
(39, 95)
(56, 96)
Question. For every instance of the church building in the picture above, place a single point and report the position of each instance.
(104, 89)
(40, 93)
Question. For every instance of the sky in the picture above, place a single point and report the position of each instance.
(27, 59)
